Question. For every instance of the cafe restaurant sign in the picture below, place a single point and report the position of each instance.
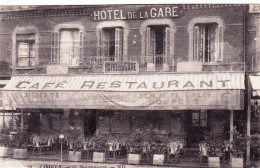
(171, 11)
(150, 91)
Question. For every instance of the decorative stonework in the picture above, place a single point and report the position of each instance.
(46, 11)
(69, 25)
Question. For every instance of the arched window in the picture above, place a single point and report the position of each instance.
(157, 43)
(67, 44)
(25, 47)
(206, 39)
(112, 40)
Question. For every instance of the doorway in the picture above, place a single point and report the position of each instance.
(90, 123)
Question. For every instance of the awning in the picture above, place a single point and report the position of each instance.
(149, 91)
(255, 83)
(3, 82)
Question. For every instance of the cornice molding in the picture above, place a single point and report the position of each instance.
(88, 10)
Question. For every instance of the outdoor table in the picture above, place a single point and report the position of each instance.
(190, 152)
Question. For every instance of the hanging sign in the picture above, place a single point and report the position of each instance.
(112, 67)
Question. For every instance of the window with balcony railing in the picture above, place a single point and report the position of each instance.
(111, 43)
(157, 45)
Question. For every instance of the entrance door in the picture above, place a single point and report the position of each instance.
(90, 123)
(196, 127)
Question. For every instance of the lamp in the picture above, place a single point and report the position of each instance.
(61, 137)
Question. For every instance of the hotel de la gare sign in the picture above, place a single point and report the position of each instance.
(171, 11)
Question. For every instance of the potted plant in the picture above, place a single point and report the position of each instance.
(99, 146)
(4, 145)
(87, 145)
(20, 141)
(75, 139)
(134, 146)
(238, 148)
(158, 146)
(215, 149)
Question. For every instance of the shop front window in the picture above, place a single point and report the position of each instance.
(25, 50)
(199, 118)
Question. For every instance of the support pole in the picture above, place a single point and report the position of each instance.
(231, 129)
(3, 118)
(248, 123)
(22, 120)
(12, 118)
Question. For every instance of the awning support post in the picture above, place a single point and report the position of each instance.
(12, 118)
(248, 124)
(231, 129)
(22, 120)
(3, 119)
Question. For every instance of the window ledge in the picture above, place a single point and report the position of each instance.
(222, 63)
(29, 68)
(76, 66)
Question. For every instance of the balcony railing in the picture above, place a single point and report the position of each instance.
(146, 63)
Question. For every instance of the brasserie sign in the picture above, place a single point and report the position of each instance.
(138, 13)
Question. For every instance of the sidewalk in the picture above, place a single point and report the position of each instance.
(52, 160)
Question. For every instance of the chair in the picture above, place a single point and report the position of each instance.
(117, 148)
(227, 149)
(203, 149)
(173, 149)
(146, 151)
(49, 145)
(70, 146)
(37, 144)
(111, 149)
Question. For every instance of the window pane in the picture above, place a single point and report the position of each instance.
(195, 116)
(23, 50)
(205, 45)
(32, 62)
(69, 47)
(23, 61)
(203, 123)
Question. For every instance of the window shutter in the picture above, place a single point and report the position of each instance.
(152, 42)
(101, 45)
(118, 43)
(196, 43)
(148, 33)
(167, 44)
(220, 43)
(54, 47)
(81, 47)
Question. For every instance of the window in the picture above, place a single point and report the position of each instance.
(158, 44)
(199, 118)
(67, 45)
(25, 50)
(206, 39)
(111, 43)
